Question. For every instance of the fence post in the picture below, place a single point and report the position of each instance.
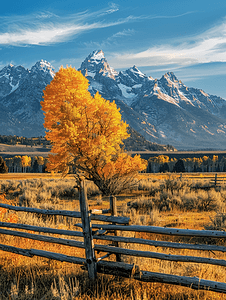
(87, 232)
(113, 208)
(215, 181)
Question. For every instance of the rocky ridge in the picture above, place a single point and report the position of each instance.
(164, 110)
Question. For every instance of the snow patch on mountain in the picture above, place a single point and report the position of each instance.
(96, 64)
(126, 91)
(162, 110)
(14, 87)
(44, 67)
(98, 55)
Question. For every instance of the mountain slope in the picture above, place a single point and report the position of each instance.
(22, 104)
(185, 117)
(164, 110)
(167, 110)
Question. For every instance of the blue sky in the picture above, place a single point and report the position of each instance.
(185, 37)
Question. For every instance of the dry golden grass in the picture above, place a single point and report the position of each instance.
(22, 176)
(40, 278)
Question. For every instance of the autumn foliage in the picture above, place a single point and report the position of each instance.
(3, 167)
(86, 132)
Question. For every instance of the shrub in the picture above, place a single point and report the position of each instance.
(141, 204)
(218, 222)
(3, 166)
(209, 200)
(175, 184)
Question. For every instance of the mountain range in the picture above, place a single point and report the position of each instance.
(163, 111)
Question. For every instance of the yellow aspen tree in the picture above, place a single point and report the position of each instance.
(85, 132)
(215, 158)
(26, 162)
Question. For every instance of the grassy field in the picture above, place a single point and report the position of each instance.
(13, 150)
(159, 199)
(24, 176)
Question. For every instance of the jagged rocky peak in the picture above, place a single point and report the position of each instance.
(6, 70)
(131, 76)
(151, 78)
(10, 76)
(96, 64)
(44, 67)
(98, 55)
(136, 73)
(136, 70)
(170, 76)
(11, 70)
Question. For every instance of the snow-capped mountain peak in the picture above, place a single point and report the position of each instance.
(170, 78)
(163, 110)
(97, 55)
(10, 77)
(137, 72)
(131, 77)
(95, 64)
(43, 66)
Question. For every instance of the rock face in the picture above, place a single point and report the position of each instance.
(21, 92)
(186, 117)
(162, 110)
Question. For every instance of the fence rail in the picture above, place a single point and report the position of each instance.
(67, 213)
(93, 232)
(216, 180)
(161, 230)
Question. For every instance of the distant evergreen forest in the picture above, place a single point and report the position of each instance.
(21, 140)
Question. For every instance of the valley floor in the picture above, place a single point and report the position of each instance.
(39, 278)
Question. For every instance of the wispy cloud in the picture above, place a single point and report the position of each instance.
(45, 28)
(209, 46)
(113, 8)
(169, 16)
(113, 39)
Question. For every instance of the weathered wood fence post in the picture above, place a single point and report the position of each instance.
(87, 232)
(113, 208)
(215, 180)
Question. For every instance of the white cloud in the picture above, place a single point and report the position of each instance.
(209, 46)
(113, 39)
(43, 35)
(125, 32)
(45, 28)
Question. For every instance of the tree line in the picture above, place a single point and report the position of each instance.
(163, 163)
(21, 140)
(157, 164)
(23, 164)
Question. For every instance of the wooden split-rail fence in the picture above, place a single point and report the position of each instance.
(215, 181)
(101, 231)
